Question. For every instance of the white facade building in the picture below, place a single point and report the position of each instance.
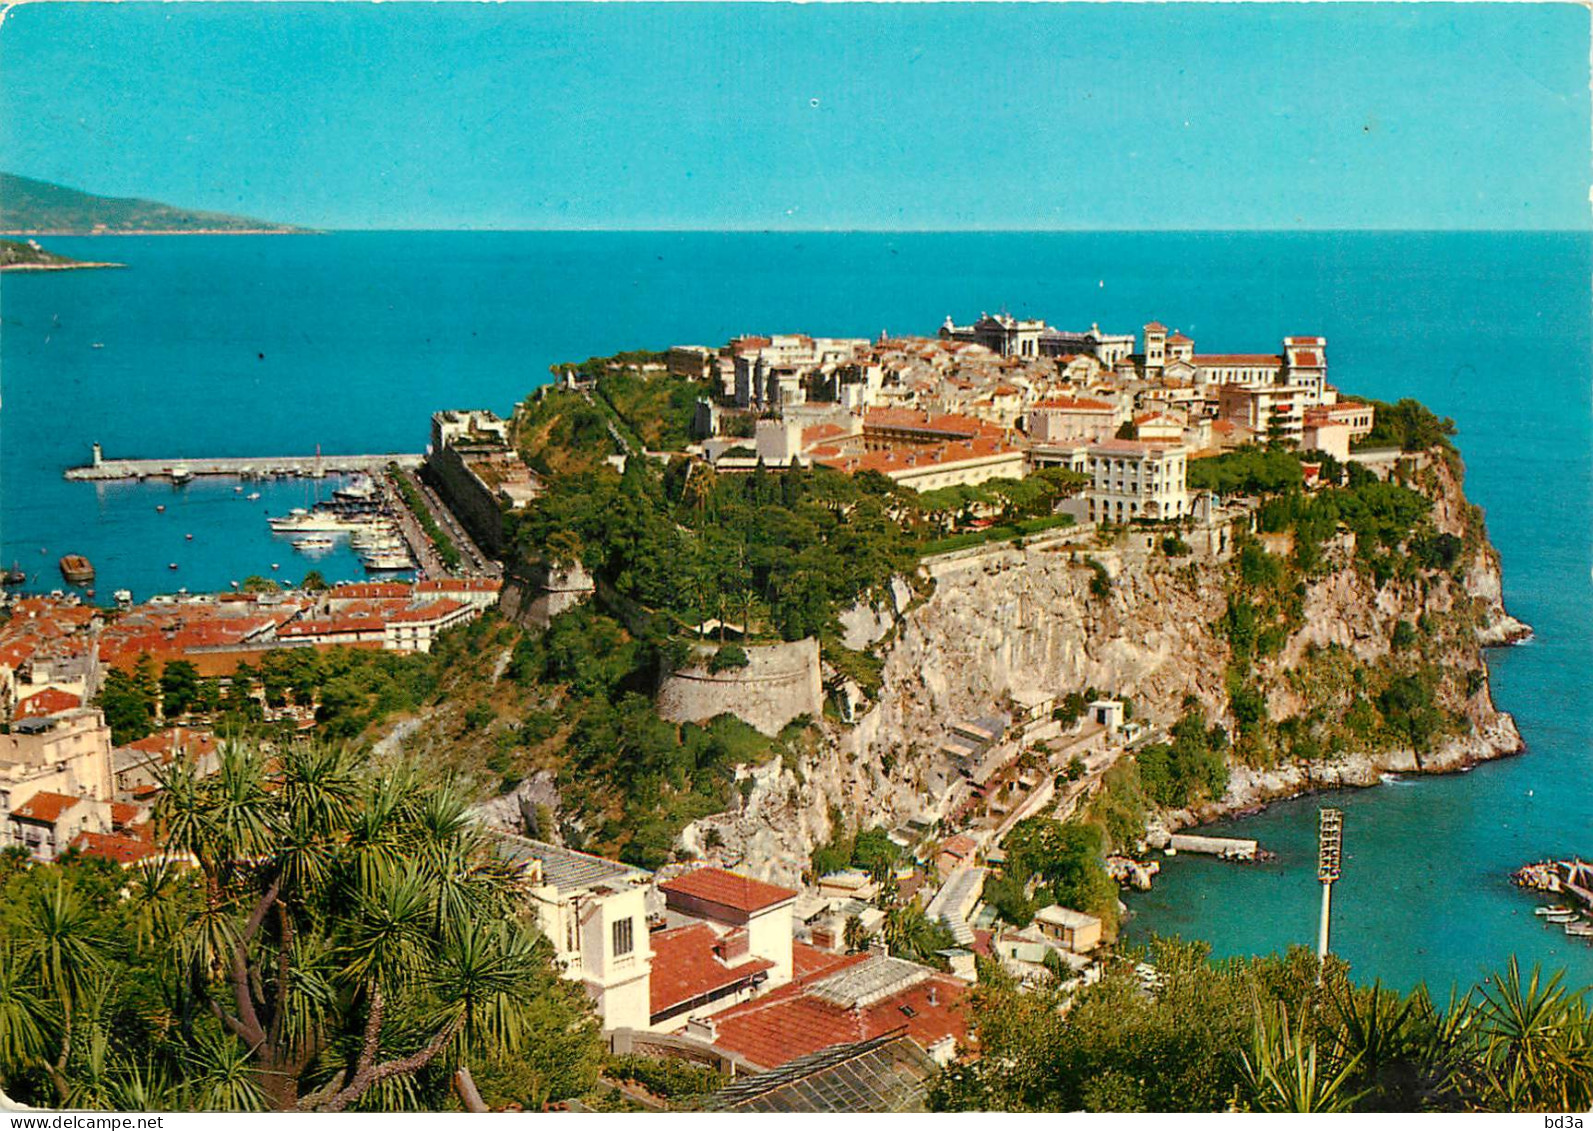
(594, 912)
(1137, 479)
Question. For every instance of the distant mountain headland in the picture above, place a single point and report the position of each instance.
(38, 208)
(29, 256)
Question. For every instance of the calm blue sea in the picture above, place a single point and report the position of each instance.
(271, 345)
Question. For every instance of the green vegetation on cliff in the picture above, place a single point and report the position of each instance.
(1411, 696)
(39, 207)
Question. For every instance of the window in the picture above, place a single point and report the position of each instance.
(624, 937)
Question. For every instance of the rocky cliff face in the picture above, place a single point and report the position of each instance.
(1008, 619)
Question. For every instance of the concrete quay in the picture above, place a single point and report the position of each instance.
(238, 467)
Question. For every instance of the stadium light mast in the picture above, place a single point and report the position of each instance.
(1329, 854)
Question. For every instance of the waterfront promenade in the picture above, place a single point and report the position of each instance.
(239, 467)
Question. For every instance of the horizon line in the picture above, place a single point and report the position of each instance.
(311, 231)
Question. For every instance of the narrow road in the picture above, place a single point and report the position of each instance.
(474, 562)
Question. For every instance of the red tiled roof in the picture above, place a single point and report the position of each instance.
(50, 701)
(811, 962)
(164, 742)
(1155, 328)
(1308, 357)
(44, 806)
(905, 461)
(434, 611)
(960, 845)
(1180, 339)
(109, 846)
(792, 1022)
(372, 589)
(459, 585)
(820, 432)
(740, 893)
(686, 967)
(123, 814)
(1237, 359)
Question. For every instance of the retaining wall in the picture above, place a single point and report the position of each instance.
(779, 683)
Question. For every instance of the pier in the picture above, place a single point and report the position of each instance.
(318, 466)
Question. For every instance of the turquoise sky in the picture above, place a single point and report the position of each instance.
(897, 116)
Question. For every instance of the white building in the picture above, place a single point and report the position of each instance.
(1269, 409)
(594, 912)
(65, 761)
(1072, 420)
(1137, 479)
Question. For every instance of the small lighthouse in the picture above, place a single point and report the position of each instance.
(99, 456)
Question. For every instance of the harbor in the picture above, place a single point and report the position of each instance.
(318, 466)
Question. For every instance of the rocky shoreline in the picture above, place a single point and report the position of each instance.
(1250, 791)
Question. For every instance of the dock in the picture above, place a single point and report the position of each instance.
(317, 466)
(1229, 848)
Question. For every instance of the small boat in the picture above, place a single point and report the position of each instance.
(274, 565)
(1579, 930)
(77, 570)
(171, 565)
(253, 496)
(160, 508)
(14, 576)
(388, 563)
(314, 542)
(123, 596)
(180, 475)
(1556, 910)
(234, 584)
(1565, 917)
(97, 346)
(190, 537)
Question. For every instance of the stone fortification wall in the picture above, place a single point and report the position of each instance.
(472, 502)
(779, 683)
(534, 594)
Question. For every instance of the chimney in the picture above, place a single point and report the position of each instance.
(934, 994)
(823, 935)
(733, 947)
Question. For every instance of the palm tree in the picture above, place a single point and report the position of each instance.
(24, 1019)
(355, 929)
(1535, 1044)
(59, 953)
(1282, 1071)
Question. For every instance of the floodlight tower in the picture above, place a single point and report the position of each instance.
(1329, 852)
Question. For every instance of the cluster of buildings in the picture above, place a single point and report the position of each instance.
(54, 650)
(1003, 396)
(708, 964)
(63, 785)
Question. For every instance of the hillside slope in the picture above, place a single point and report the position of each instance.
(30, 207)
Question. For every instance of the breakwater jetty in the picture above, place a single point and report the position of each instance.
(101, 470)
